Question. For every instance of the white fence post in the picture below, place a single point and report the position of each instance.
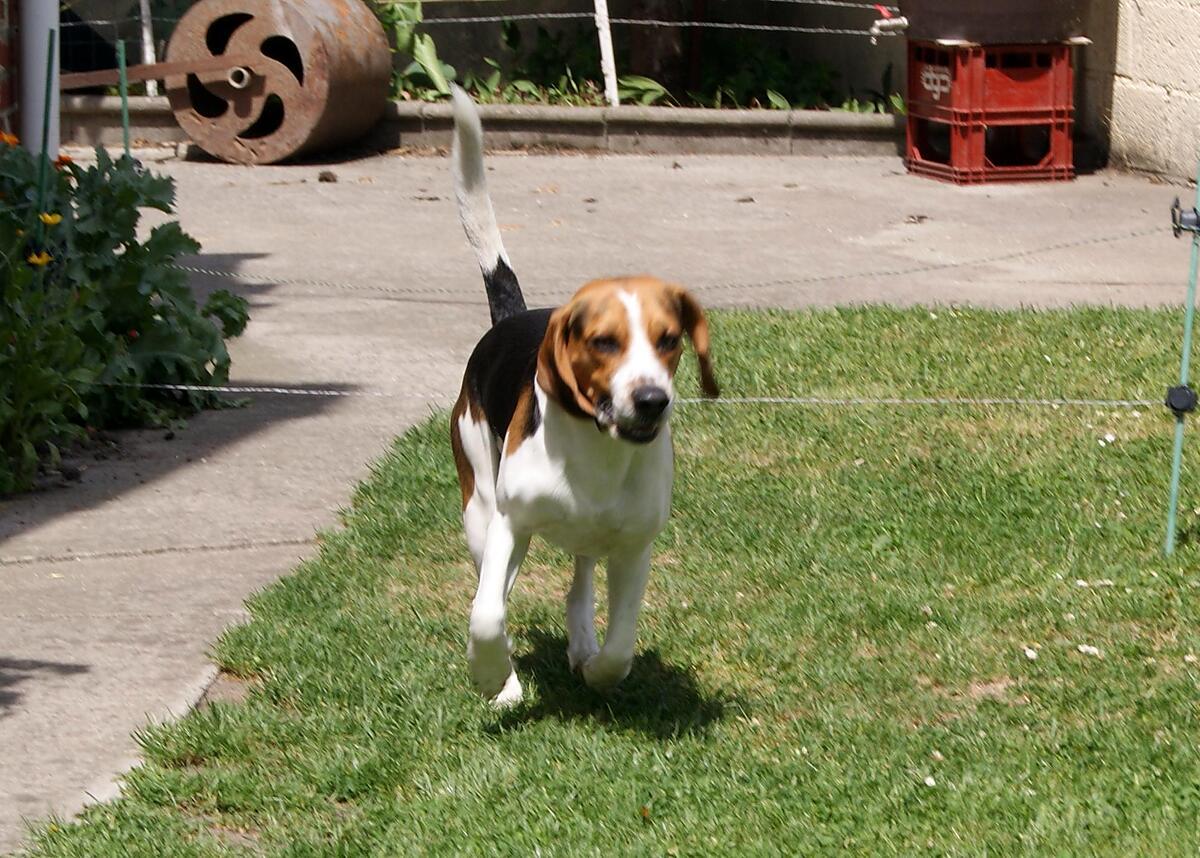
(148, 53)
(608, 62)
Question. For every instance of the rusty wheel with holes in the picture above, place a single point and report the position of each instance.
(303, 76)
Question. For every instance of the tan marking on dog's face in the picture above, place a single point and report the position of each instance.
(616, 335)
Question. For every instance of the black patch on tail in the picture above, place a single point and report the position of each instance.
(504, 292)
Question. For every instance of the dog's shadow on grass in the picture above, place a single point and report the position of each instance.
(657, 698)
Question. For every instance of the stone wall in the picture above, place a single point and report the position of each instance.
(1140, 84)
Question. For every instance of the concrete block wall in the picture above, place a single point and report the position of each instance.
(1141, 84)
(8, 82)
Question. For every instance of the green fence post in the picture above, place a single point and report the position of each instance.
(1180, 223)
(47, 100)
(123, 88)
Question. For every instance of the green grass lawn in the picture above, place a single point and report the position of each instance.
(861, 634)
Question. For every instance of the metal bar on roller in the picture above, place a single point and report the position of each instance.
(157, 71)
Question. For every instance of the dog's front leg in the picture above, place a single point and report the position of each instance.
(581, 614)
(488, 644)
(627, 576)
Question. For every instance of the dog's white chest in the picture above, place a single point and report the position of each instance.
(585, 492)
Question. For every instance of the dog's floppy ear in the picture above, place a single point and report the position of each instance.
(554, 371)
(696, 325)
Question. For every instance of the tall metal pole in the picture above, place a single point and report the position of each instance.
(148, 53)
(39, 29)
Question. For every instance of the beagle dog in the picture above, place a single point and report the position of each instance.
(562, 430)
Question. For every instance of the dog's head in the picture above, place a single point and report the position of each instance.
(612, 350)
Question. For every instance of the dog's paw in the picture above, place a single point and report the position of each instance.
(581, 652)
(603, 673)
(510, 694)
(491, 668)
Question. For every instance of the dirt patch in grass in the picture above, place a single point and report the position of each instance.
(226, 688)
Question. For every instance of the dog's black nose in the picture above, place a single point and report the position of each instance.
(650, 401)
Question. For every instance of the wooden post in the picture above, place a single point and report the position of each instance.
(608, 62)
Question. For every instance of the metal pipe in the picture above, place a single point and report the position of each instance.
(39, 18)
(238, 77)
(148, 53)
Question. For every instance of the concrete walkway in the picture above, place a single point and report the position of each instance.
(112, 588)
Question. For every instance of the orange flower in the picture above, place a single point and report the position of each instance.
(63, 160)
(9, 139)
(38, 259)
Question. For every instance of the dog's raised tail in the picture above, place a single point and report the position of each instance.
(475, 211)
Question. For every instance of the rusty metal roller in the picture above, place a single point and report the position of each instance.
(302, 76)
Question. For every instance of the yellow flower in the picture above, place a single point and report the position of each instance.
(51, 219)
(10, 139)
(38, 259)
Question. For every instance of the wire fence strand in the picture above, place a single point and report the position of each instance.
(848, 401)
(497, 19)
(267, 279)
(845, 4)
(929, 268)
(842, 4)
(721, 25)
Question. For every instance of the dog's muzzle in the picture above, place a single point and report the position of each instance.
(650, 404)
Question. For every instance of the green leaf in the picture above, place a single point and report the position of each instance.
(641, 89)
(230, 310)
(778, 101)
(425, 55)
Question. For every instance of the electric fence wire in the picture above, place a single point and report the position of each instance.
(650, 22)
(803, 401)
(266, 279)
(774, 28)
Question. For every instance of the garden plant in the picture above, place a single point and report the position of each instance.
(92, 309)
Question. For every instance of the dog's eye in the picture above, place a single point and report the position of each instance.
(604, 345)
(668, 342)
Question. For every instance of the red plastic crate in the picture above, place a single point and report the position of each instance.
(988, 113)
(973, 152)
(971, 82)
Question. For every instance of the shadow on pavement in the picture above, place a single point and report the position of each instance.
(15, 672)
(143, 456)
(256, 286)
